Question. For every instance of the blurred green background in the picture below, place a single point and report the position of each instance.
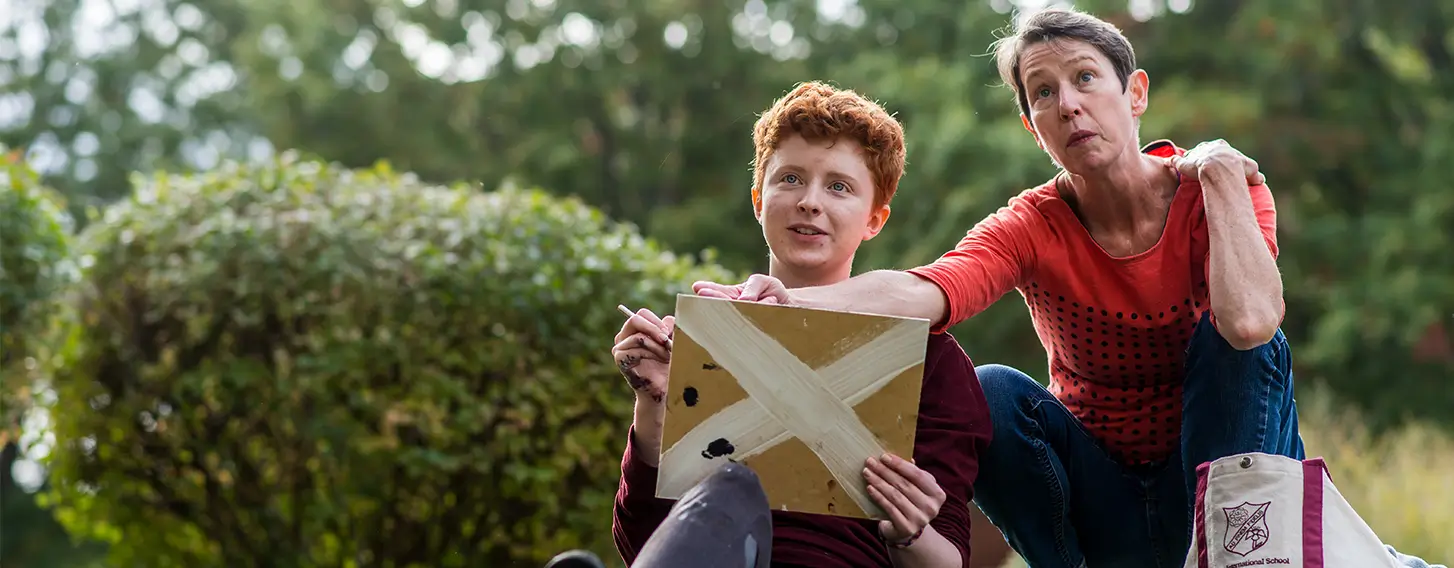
(631, 111)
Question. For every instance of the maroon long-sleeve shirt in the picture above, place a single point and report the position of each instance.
(954, 427)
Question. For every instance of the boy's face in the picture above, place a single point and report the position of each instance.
(817, 203)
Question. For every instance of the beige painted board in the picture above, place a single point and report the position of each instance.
(802, 396)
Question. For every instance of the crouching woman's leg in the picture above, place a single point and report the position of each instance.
(1236, 402)
(1046, 483)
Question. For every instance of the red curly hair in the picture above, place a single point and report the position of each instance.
(819, 112)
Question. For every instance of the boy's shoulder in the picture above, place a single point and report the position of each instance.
(946, 361)
(951, 397)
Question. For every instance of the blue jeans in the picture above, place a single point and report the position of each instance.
(1063, 502)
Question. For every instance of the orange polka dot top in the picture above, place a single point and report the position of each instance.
(1115, 329)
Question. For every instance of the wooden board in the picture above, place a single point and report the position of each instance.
(801, 396)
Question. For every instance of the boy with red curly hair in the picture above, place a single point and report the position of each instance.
(827, 164)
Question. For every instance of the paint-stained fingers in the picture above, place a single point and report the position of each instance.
(643, 321)
(638, 324)
(643, 342)
(644, 379)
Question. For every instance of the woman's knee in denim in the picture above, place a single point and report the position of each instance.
(1003, 382)
(1001, 377)
(1208, 345)
(1007, 390)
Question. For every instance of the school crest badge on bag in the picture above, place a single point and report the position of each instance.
(1246, 527)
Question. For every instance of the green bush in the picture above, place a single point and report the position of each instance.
(299, 365)
(34, 241)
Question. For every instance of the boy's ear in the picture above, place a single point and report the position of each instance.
(757, 204)
(876, 222)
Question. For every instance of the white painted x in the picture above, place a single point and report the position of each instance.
(787, 399)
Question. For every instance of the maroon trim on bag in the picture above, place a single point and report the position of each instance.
(1313, 470)
(1201, 514)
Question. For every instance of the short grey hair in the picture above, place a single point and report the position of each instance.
(1054, 23)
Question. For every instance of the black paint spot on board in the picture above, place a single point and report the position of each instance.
(710, 366)
(690, 396)
(831, 508)
(832, 484)
(718, 447)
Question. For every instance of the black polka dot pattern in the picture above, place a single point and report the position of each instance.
(1119, 368)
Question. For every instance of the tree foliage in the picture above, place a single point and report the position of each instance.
(300, 364)
(35, 234)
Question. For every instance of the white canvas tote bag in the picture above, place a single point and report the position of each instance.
(1259, 509)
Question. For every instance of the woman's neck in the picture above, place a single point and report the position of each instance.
(1121, 197)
